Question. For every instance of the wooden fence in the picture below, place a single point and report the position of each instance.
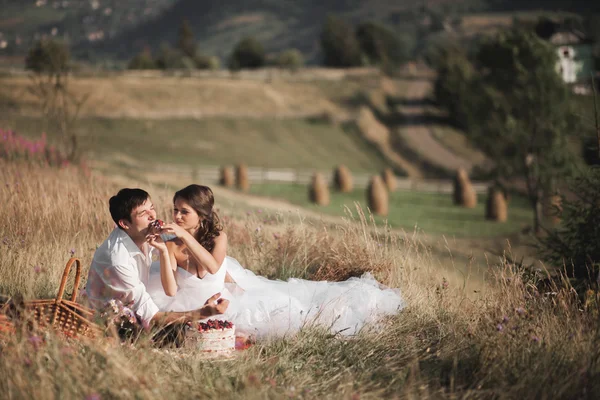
(210, 175)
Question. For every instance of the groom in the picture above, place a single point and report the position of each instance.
(121, 265)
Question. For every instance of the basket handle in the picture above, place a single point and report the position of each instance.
(63, 282)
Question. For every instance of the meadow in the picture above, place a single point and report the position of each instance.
(507, 339)
(432, 213)
(196, 121)
(216, 141)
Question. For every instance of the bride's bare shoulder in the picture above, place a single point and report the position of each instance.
(221, 238)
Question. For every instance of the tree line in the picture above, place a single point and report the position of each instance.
(506, 95)
(343, 46)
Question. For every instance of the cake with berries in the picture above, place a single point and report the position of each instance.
(156, 225)
(212, 336)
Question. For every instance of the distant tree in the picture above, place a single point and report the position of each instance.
(48, 56)
(340, 45)
(381, 45)
(436, 20)
(186, 41)
(143, 60)
(531, 110)
(575, 245)
(515, 107)
(171, 58)
(589, 149)
(207, 62)
(436, 49)
(291, 59)
(454, 79)
(50, 62)
(546, 27)
(248, 54)
(592, 27)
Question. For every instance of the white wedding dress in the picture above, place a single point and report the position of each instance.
(261, 307)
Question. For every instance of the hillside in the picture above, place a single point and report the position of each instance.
(207, 121)
(100, 30)
(297, 24)
(278, 24)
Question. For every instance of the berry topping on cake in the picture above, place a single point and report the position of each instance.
(156, 225)
(214, 324)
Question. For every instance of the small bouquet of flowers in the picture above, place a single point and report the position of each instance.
(117, 316)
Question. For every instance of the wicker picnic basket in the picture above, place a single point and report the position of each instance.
(67, 316)
(7, 328)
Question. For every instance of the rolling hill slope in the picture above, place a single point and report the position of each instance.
(99, 29)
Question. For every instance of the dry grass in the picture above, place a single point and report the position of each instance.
(176, 97)
(506, 341)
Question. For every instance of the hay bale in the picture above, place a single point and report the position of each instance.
(342, 179)
(318, 192)
(389, 178)
(377, 196)
(227, 177)
(495, 207)
(241, 178)
(464, 194)
(552, 210)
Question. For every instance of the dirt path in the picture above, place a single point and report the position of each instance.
(418, 136)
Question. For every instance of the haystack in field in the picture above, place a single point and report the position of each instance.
(389, 178)
(377, 196)
(464, 193)
(495, 207)
(227, 177)
(241, 178)
(318, 192)
(342, 179)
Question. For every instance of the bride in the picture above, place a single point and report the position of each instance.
(196, 266)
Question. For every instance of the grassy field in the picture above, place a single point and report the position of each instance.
(266, 142)
(457, 142)
(160, 96)
(431, 213)
(505, 340)
(207, 121)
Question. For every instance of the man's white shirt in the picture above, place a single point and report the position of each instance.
(120, 271)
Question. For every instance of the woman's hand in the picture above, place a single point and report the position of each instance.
(175, 229)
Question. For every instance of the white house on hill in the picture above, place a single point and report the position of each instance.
(575, 57)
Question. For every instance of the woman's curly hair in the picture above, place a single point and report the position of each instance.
(202, 200)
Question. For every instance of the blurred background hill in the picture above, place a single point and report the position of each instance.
(98, 30)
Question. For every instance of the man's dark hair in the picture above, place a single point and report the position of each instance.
(123, 203)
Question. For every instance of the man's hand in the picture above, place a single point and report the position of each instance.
(156, 242)
(214, 306)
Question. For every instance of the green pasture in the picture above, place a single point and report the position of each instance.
(431, 213)
(267, 142)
